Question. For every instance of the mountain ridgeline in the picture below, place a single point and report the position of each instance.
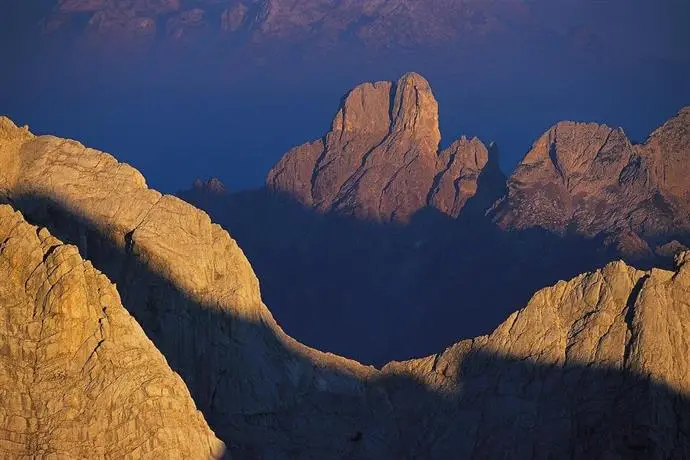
(376, 221)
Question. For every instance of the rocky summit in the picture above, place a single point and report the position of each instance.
(381, 159)
(595, 367)
(591, 179)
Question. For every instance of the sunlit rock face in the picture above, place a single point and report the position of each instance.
(78, 377)
(381, 159)
(593, 367)
(591, 179)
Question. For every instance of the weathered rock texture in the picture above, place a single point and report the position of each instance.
(190, 287)
(594, 367)
(78, 377)
(591, 179)
(381, 159)
(374, 23)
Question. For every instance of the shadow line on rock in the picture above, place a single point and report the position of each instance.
(489, 404)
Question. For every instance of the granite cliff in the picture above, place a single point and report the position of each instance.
(593, 367)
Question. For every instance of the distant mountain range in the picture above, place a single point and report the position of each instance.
(322, 25)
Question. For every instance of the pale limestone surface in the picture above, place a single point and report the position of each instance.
(186, 282)
(78, 376)
(595, 367)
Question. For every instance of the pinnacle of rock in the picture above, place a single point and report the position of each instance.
(381, 159)
(415, 110)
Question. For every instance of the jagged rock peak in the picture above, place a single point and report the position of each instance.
(365, 109)
(381, 160)
(213, 185)
(668, 150)
(606, 347)
(569, 147)
(406, 106)
(591, 179)
(415, 109)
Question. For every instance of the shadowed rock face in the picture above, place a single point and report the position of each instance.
(593, 367)
(380, 161)
(78, 377)
(591, 179)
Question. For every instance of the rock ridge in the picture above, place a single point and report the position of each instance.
(78, 377)
(592, 179)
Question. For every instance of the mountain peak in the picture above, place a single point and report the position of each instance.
(381, 159)
(213, 185)
(415, 110)
(365, 109)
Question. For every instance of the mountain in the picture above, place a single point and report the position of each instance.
(591, 179)
(532, 387)
(404, 231)
(593, 367)
(328, 23)
(78, 377)
(190, 287)
(381, 159)
(319, 27)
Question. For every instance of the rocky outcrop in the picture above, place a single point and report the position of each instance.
(381, 159)
(596, 367)
(78, 377)
(591, 179)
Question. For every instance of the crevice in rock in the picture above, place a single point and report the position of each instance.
(630, 316)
